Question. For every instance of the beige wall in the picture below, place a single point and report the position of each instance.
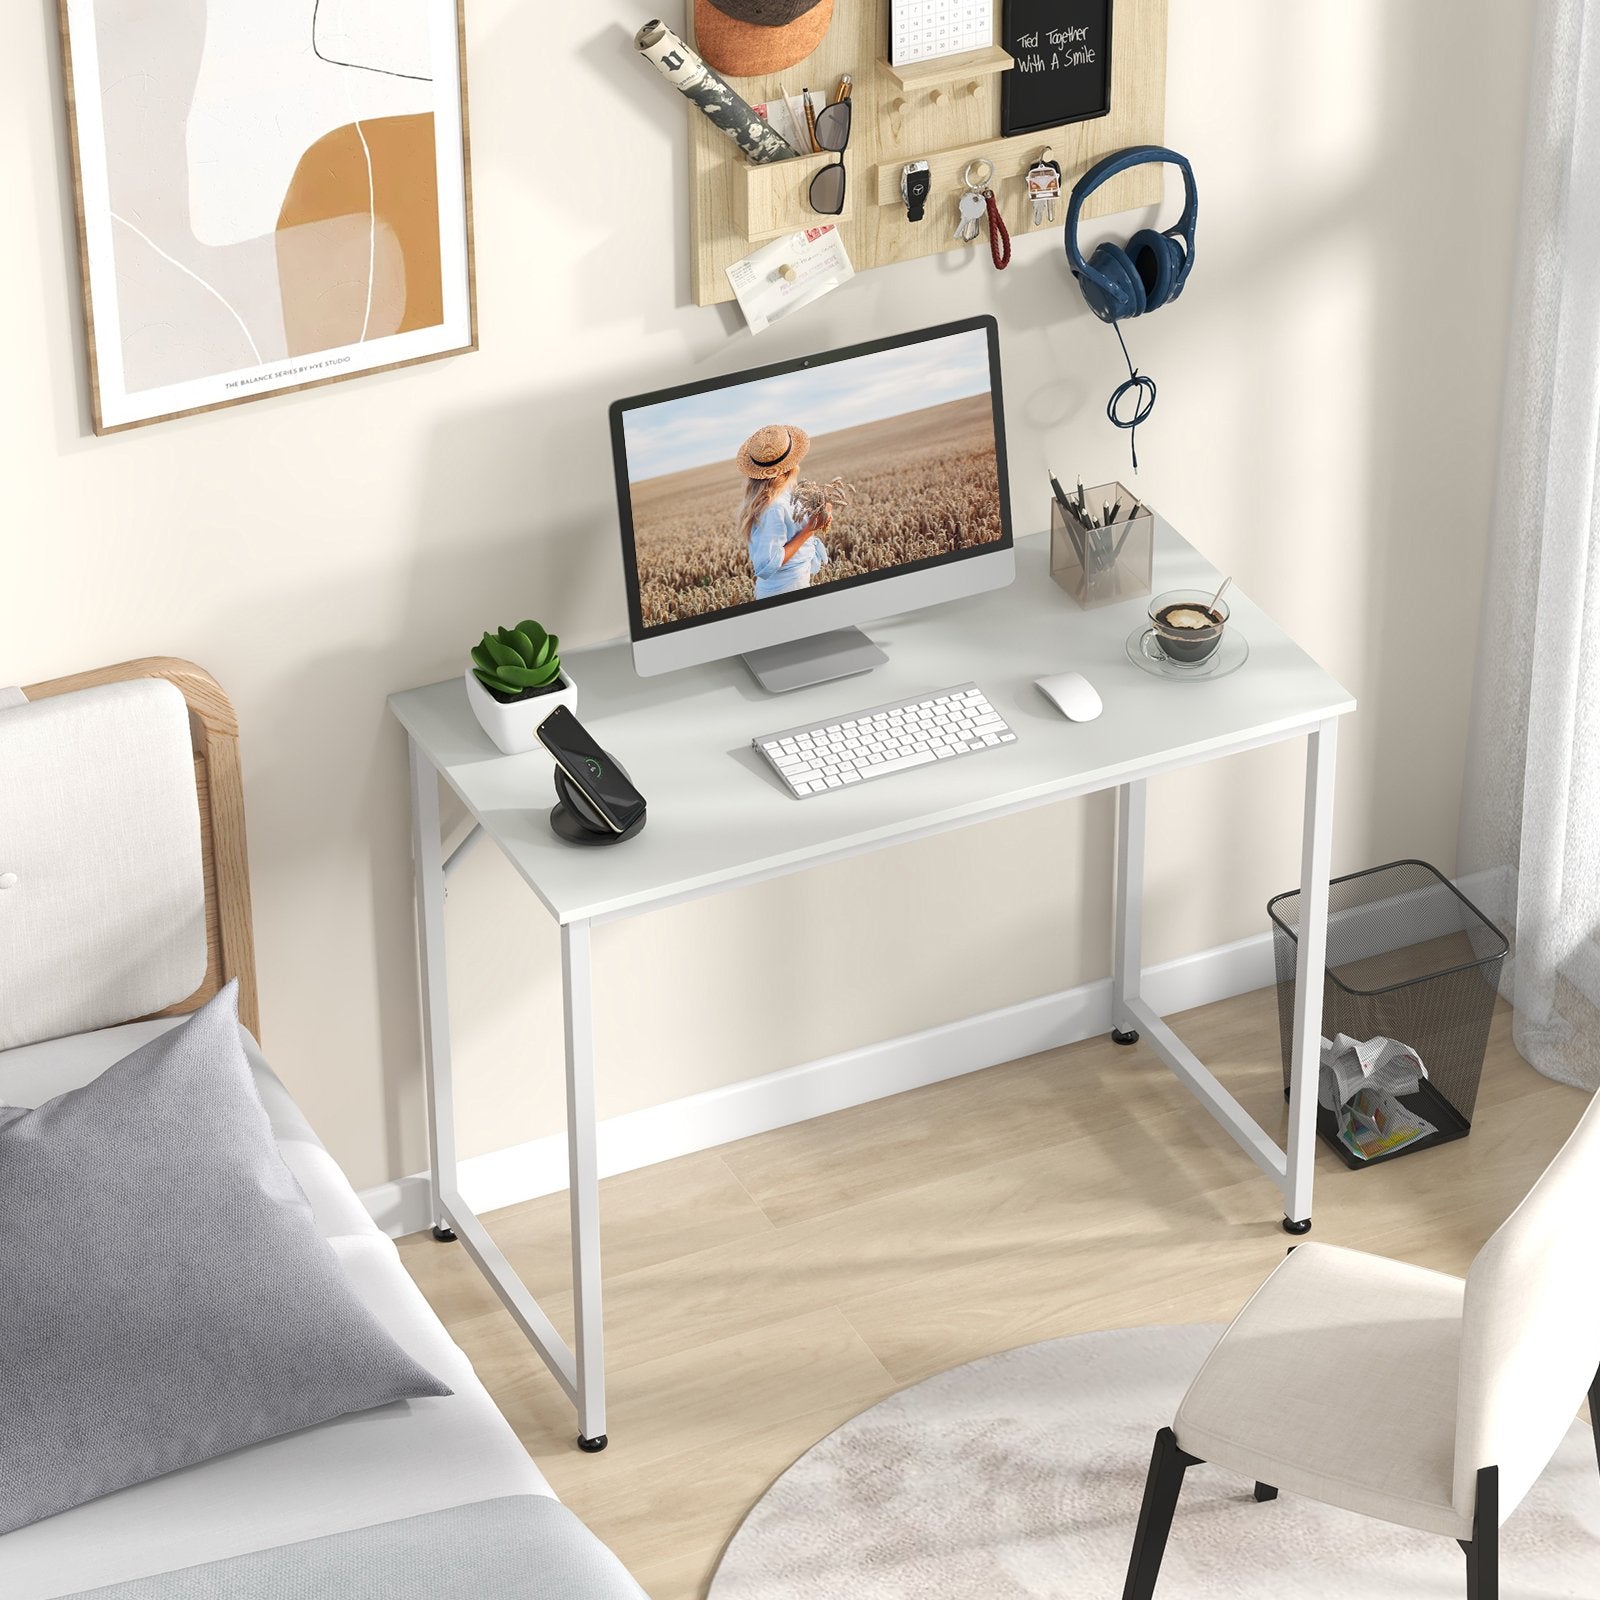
(1325, 430)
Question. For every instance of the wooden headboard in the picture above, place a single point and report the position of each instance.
(214, 733)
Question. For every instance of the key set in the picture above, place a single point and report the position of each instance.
(1044, 188)
(973, 210)
(978, 203)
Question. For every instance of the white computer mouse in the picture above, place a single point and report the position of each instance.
(1072, 695)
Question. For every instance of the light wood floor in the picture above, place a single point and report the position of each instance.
(760, 1294)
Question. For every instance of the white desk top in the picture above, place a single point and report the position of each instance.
(717, 814)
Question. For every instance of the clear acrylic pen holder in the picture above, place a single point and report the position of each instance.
(1097, 565)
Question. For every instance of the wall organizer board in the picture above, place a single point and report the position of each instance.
(945, 110)
(268, 196)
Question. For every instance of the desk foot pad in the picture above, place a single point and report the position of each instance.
(1121, 1036)
(1291, 1226)
(591, 1446)
(443, 1234)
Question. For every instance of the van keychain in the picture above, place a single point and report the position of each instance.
(1044, 187)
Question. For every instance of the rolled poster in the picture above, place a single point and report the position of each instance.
(709, 90)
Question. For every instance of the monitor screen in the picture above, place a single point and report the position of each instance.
(760, 489)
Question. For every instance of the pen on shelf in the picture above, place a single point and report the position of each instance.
(843, 91)
(1116, 506)
(811, 120)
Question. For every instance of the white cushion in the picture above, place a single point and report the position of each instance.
(1530, 1342)
(102, 895)
(397, 1461)
(1338, 1381)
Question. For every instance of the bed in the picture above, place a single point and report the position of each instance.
(430, 1496)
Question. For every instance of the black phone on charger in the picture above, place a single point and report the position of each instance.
(592, 771)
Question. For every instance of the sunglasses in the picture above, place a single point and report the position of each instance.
(833, 133)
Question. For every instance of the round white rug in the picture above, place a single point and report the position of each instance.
(1018, 1477)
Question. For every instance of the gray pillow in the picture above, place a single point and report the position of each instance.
(165, 1296)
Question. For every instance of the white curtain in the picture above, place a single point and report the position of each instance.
(1530, 845)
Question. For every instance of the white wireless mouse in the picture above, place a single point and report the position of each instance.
(1072, 695)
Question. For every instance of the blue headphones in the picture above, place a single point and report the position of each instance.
(1150, 271)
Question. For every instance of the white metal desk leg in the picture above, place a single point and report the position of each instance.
(1316, 857)
(1127, 958)
(427, 865)
(583, 1187)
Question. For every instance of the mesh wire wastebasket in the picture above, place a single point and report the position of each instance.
(1410, 958)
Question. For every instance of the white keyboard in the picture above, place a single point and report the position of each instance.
(871, 744)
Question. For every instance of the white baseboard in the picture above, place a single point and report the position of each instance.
(719, 1116)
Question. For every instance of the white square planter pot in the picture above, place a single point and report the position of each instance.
(511, 723)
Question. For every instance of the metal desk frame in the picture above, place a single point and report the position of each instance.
(581, 1371)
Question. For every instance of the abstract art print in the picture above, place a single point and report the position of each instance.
(270, 194)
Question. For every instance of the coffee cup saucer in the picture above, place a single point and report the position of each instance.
(1229, 656)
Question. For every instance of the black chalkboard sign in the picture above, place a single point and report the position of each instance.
(1063, 73)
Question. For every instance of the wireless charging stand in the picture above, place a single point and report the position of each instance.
(576, 821)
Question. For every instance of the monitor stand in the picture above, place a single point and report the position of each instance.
(803, 662)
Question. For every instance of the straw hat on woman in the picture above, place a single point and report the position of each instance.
(784, 552)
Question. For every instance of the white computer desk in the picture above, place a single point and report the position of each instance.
(718, 818)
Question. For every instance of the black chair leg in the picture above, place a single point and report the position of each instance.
(1594, 1413)
(1167, 1466)
(1483, 1553)
(1265, 1492)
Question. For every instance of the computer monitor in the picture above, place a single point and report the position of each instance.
(716, 480)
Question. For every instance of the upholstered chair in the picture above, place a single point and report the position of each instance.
(1489, 1373)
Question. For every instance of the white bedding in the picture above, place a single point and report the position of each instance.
(397, 1461)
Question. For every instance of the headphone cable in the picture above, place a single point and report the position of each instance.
(1137, 384)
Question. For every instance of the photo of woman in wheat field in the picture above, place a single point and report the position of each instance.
(762, 490)
(781, 534)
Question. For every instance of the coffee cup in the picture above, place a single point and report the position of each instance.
(1186, 625)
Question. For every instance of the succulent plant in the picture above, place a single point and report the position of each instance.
(510, 661)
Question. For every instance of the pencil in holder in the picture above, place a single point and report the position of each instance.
(1099, 565)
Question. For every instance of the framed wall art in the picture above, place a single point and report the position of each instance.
(269, 196)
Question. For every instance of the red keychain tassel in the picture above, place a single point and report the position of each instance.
(999, 235)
